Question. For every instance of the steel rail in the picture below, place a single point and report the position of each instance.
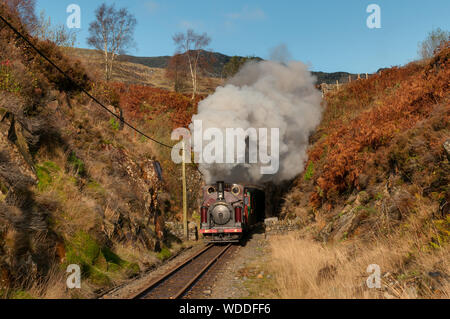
(183, 290)
(169, 273)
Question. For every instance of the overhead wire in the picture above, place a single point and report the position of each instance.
(82, 89)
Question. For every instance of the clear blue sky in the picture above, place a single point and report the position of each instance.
(330, 35)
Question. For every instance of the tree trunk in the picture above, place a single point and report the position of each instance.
(111, 62)
(193, 87)
(106, 69)
(193, 76)
(106, 62)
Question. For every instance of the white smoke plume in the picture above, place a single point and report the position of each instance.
(266, 94)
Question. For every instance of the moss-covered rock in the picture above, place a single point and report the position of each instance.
(98, 263)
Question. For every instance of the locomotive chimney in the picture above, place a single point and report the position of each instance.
(220, 190)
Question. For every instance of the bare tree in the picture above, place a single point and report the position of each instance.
(192, 44)
(177, 71)
(112, 32)
(25, 10)
(58, 34)
(433, 41)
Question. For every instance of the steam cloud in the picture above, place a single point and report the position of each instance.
(268, 95)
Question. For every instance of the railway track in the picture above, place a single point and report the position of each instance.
(178, 281)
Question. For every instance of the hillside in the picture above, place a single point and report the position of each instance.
(161, 62)
(74, 184)
(375, 191)
(152, 73)
(132, 70)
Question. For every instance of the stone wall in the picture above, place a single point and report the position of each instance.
(176, 229)
(274, 226)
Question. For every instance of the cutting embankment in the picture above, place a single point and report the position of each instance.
(375, 191)
(74, 182)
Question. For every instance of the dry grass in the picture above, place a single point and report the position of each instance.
(53, 286)
(413, 256)
(304, 268)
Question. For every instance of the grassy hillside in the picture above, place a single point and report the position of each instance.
(139, 71)
(375, 191)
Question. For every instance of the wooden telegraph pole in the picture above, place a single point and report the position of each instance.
(185, 223)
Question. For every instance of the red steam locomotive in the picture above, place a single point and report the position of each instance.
(229, 210)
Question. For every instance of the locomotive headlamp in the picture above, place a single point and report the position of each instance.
(211, 190)
(236, 190)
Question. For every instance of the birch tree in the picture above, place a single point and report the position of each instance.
(112, 33)
(433, 41)
(191, 45)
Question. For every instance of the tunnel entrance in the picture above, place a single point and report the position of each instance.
(275, 197)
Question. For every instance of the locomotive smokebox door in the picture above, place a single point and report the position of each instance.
(221, 213)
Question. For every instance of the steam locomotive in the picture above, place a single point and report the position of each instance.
(229, 210)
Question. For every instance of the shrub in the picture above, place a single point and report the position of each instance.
(114, 124)
(7, 81)
(309, 171)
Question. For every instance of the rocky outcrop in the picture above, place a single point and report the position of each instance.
(275, 226)
(176, 229)
(133, 225)
(29, 244)
(342, 225)
(26, 242)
